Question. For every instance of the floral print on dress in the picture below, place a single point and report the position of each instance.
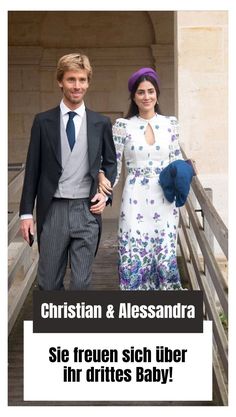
(147, 236)
(144, 272)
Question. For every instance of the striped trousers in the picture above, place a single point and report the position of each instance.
(69, 227)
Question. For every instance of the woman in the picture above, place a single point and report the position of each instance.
(148, 222)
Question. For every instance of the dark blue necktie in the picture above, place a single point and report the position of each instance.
(70, 129)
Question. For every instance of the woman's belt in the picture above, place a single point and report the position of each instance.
(145, 172)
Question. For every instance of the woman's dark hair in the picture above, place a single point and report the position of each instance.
(133, 108)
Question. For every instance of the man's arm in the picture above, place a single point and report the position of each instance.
(109, 163)
(32, 173)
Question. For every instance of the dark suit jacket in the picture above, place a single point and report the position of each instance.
(43, 164)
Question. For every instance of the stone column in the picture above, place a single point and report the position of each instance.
(201, 96)
(163, 56)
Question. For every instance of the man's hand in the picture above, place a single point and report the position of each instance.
(26, 227)
(100, 203)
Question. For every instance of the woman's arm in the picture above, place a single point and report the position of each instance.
(119, 138)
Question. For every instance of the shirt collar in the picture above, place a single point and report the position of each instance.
(64, 109)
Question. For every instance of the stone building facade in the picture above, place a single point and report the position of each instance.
(188, 49)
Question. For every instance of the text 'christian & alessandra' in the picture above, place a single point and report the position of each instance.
(125, 311)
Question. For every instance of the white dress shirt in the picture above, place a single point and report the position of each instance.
(77, 119)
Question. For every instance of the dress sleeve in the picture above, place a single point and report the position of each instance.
(119, 137)
(175, 151)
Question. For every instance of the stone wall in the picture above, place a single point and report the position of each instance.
(201, 96)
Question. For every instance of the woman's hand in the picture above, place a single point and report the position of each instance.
(193, 163)
(104, 185)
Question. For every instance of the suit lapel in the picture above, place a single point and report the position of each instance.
(52, 123)
(53, 132)
(92, 134)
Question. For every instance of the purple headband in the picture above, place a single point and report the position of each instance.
(143, 71)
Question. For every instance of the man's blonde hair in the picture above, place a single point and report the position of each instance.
(73, 62)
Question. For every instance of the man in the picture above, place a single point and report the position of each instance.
(69, 145)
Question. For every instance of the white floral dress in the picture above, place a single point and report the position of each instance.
(148, 223)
